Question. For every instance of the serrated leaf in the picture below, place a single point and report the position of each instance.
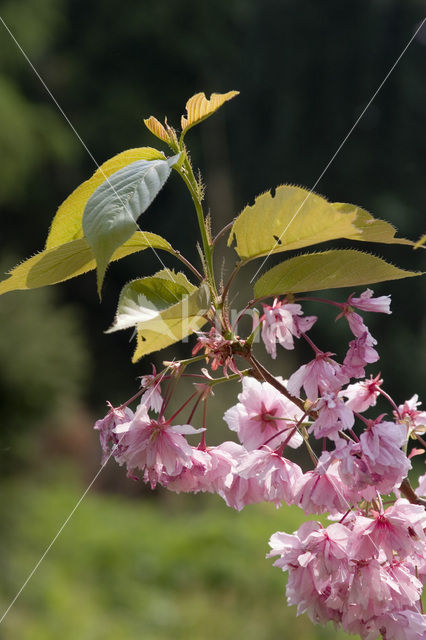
(327, 270)
(165, 307)
(70, 260)
(67, 223)
(198, 108)
(291, 219)
(421, 242)
(110, 215)
(370, 229)
(157, 129)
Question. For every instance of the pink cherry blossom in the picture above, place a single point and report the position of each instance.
(360, 353)
(218, 349)
(318, 376)
(411, 416)
(152, 396)
(154, 444)
(276, 476)
(322, 489)
(375, 463)
(236, 490)
(421, 489)
(262, 413)
(191, 479)
(399, 530)
(366, 302)
(106, 426)
(315, 559)
(362, 395)
(334, 415)
(282, 322)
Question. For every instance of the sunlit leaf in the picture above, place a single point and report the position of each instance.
(327, 270)
(370, 229)
(157, 129)
(164, 307)
(67, 223)
(421, 242)
(198, 108)
(70, 260)
(110, 215)
(291, 219)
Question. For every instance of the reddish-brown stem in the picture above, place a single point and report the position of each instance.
(408, 491)
(314, 299)
(260, 373)
(194, 408)
(182, 407)
(389, 399)
(190, 266)
(222, 232)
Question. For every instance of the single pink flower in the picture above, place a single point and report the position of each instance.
(362, 395)
(399, 530)
(375, 463)
(191, 479)
(154, 444)
(366, 302)
(262, 413)
(152, 396)
(322, 489)
(360, 353)
(282, 322)
(236, 490)
(276, 476)
(411, 416)
(106, 426)
(318, 376)
(334, 415)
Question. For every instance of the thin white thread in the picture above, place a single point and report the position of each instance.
(80, 139)
(68, 518)
(339, 148)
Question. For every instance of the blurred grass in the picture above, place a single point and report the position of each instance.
(173, 568)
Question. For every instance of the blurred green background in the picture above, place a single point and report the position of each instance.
(132, 564)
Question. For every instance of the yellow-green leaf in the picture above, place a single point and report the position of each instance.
(291, 219)
(165, 307)
(421, 242)
(67, 223)
(70, 260)
(199, 108)
(327, 270)
(157, 129)
(368, 228)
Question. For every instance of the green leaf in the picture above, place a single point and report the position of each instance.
(421, 242)
(70, 260)
(110, 215)
(165, 307)
(327, 270)
(291, 219)
(67, 223)
(368, 228)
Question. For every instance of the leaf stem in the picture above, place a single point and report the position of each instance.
(231, 277)
(190, 266)
(187, 174)
(222, 233)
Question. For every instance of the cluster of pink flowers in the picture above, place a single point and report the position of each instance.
(362, 572)
(366, 570)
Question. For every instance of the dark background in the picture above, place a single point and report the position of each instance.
(305, 71)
